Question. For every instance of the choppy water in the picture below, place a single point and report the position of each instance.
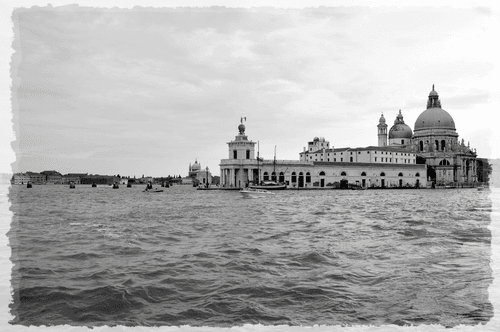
(98, 256)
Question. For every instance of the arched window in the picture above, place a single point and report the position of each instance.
(417, 174)
(382, 174)
(282, 177)
(363, 174)
(443, 144)
(266, 176)
(308, 177)
(273, 176)
(294, 177)
(343, 174)
(350, 159)
(400, 174)
(436, 145)
(321, 173)
(444, 162)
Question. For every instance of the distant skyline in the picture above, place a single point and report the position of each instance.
(149, 91)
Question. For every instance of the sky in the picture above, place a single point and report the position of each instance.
(148, 90)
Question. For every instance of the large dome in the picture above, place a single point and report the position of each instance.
(434, 117)
(400, 130)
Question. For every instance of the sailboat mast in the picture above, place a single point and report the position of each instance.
(274, 166)
(258, 165)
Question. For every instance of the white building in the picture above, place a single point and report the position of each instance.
(321, 166)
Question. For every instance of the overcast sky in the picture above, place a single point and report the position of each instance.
(149, 90)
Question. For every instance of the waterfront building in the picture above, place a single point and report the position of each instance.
(429, 154)
(435, 141)
(36, 178)
(99, 179)
(73, 177)
(52, 177)
(321, 166)
(197, 175)
(20, 178)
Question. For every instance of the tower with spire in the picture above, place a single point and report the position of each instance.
(382, 131)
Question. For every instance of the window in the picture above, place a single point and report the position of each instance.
(363, 174)
(400, 174)
(421, 146)
(235, 154)
(341, 159)
(382, 174)
(443, 144)
(402, 141)
(308, 177)
(351, 159)
(334, 159)
(248, 154)
(266, 176)
(375, 158)
(417, 174)
(321, 173)
(343, 174)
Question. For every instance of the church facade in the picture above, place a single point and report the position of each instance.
(435, 141)
(431, 154)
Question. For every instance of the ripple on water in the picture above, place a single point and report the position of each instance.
(215, 259)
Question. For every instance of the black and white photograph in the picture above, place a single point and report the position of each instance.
(250, 166)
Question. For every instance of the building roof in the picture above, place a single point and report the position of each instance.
(434, 117)
(368, 148)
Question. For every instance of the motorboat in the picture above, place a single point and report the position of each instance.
(268, 185)
(153, 190)
(251, 192)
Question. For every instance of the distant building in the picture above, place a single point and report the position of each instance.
(52, 177)
(99, 179)
(36, 178)
(20, 178)
(74, 177)
(198, 176)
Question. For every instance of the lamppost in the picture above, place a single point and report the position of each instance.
(207, 177)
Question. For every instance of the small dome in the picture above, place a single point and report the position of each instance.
(400, 130)
(196, 166)
(382, 119)
(316, 139)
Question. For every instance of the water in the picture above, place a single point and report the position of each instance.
(98, 256)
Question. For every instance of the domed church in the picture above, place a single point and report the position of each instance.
(435, 141)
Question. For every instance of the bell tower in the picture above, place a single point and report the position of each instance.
(382, 131)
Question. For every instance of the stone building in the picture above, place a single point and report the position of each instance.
(435, 141)
(321, 166)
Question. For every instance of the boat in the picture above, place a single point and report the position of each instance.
(268, 185)
(28, 185)
(115, 186)
(152, 190)
(251, 192)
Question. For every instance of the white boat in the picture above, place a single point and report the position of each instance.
(251, 192)
(268, 185)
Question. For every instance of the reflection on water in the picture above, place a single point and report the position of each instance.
(97, 256)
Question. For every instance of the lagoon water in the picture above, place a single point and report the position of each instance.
(98, 256)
